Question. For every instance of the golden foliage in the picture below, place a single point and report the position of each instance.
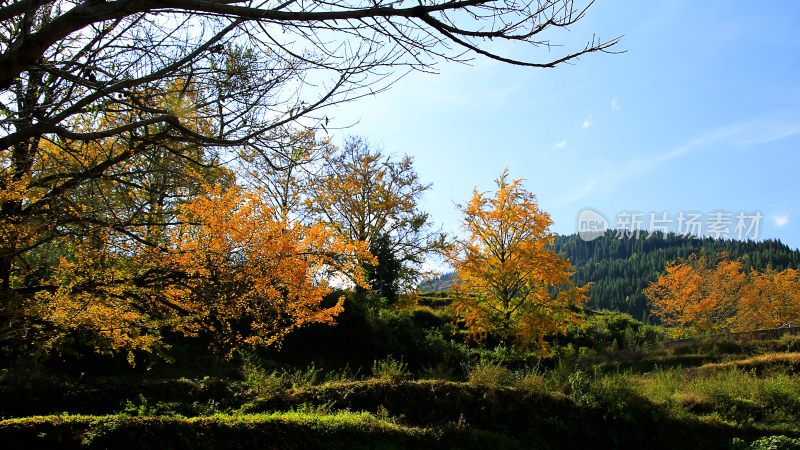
(77, 217)
(698, 292)
(115, 240)
(94, 294)
(769, 299)
(251, 278)
(370, 197)
(711, 295)
(509, 283)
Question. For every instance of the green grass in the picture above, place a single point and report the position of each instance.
(277, 430)
(549, 409)
(730, 394)
(494, 399)
(767, 361)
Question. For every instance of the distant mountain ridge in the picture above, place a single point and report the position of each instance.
(620, 268)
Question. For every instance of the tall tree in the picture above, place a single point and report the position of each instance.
(711, 295)
(508, 282)
(384, 275)
(621, 268)
(372, 198)
(229, 270)
(79, 240)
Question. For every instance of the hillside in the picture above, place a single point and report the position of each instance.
(620, 268)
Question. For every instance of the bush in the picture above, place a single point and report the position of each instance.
(530, 381)
(427, 317)
(267, 384)
(579, 387)
(490, 375)
(440, 371)
(301, 378)
(446, 356)
(768, 443)
(791, 342)
(730, 394)
(390, 369)
(600, 329)
(264, 384)
(507, 356)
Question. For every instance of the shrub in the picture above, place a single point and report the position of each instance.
(426, 317)
(390, 370)
(779, 394)
(600, 329)
(440, 371)
(342, 375)
(267, 384)
(767, 443)
(301, 378)
(490, 375)
(445, 355)
(791, 342)
(264, 384)
(530, 381)
(580, 389)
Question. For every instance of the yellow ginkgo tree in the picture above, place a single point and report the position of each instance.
(770, 299)
(113, 240)
(373, 198)
(247, 278)
(509, 283)
(700, 292)
(710, 294)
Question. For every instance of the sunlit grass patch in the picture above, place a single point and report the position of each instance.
(276, 430)
(728, 393)
(760, 362)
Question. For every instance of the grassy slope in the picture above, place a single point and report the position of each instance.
(694, 397)
(285, 430)
(663, 410)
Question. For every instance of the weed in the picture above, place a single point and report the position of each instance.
(490, 375)
(145, 408)
(390, 369)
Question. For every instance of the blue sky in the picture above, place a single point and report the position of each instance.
(702, 113)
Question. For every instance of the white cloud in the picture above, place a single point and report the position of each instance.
(615, 104)
(587, 122)
(560, 145)
(780, 220)
(773, 134)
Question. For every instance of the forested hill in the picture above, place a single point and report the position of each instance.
(620, 268)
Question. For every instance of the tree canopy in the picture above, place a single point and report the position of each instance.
(373, 198)
(508, 282)
(714, 294)
(118, 117)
